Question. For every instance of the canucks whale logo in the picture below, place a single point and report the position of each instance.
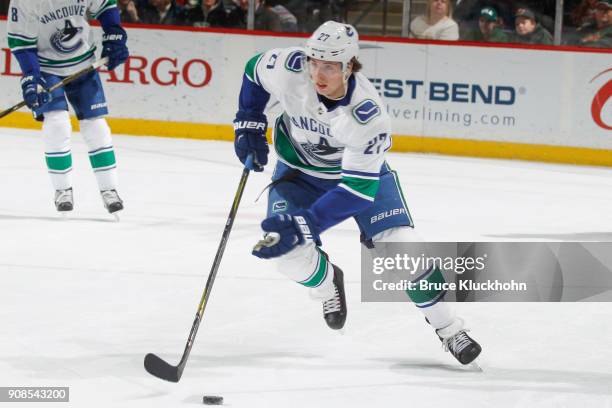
(67, 40)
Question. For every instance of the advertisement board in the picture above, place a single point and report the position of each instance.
(542, 104)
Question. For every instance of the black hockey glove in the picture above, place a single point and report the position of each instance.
(250, 130)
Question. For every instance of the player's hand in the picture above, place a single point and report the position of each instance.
(250, 130)
(34, 90)
(286, 231)
(114, 46)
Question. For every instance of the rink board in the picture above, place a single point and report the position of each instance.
(534, 104)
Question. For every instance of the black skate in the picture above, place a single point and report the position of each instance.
(63, 200)
(455, 340)
(334, 309)
(111, 200)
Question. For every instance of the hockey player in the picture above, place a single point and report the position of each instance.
(331, 141)
(51, 40)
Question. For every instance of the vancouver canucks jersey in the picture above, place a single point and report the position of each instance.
(57, 29)
(345, 142)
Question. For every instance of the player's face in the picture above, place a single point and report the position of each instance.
(327, 77)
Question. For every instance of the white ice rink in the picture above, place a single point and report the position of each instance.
(83, 300)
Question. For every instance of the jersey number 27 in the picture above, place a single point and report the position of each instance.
(376, 144)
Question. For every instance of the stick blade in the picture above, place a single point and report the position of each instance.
(160, 369)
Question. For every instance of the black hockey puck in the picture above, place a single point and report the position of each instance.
(212, 400)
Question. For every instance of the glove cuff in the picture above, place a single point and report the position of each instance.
(115, 33)
(245, 115)
(308, 224)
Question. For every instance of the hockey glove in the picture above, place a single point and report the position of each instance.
(114, 46)
(250, 130)
(284, 232)
(34, 90)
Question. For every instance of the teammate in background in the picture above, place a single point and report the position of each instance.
(51, 40)
(331, 141)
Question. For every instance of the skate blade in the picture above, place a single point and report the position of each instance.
(63, 215)
(116, 217)
(475, 367)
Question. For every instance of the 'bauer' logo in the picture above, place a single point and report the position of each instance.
(601, 97)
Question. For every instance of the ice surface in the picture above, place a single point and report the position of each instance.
(83, 300)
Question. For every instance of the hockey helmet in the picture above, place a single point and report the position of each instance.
(335, 42)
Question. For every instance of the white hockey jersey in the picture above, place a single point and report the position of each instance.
(347, 142)
(57, 29)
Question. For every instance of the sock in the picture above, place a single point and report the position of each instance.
(307, 265)
(56, 131)
(97, 136)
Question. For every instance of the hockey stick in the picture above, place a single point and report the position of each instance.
(63, 82)
(154, 364)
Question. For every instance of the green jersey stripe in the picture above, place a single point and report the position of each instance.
(367, 187)
(17, 42)
(80, 58)
(250, 68)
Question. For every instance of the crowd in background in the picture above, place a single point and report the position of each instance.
(586, 22)
(271, 15)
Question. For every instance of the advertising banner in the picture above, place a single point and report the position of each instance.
(431, 91)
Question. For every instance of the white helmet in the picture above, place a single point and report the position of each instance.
(334, 41)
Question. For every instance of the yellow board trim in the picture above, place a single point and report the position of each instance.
(401, 143)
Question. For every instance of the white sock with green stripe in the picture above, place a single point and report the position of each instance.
(309, 267)
(97, 136)
(438, 313)
(56, 131)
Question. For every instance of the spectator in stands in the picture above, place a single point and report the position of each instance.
(437, 23)
(467, 14)
(598, 33)
(584, 13)
(528, 30)
(128, 11)
(165, 12)
(490, 27)
(4, 4)
(288, 21)
(265, 18)
(213, 13)
(544, 11)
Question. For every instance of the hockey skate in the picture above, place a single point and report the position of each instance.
(63, 200)
(111, 200)
(455, 340)
(334, 309)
